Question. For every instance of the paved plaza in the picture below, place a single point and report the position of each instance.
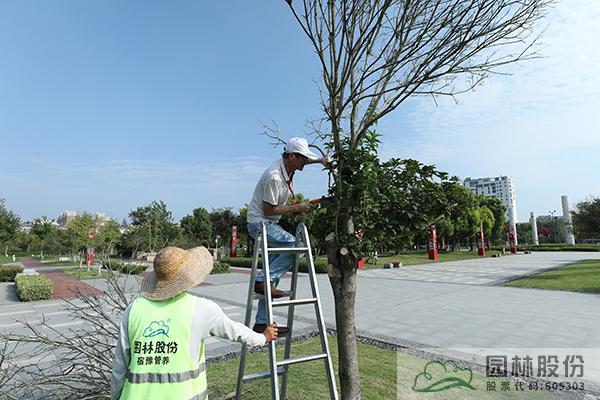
(444, 305)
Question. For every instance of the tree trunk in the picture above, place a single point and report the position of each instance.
(344, 293)
(342, 276)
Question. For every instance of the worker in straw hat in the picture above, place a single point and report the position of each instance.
(160, 350)
(269, 202)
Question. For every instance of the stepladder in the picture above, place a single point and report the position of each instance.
(279, 368)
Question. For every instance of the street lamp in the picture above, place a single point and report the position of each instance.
(555, 238)
(216, 255)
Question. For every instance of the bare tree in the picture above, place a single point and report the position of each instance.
(52, 363)
(375, 54)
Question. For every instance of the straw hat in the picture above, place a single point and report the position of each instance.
(176, 270)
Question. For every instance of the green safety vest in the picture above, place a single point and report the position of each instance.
(161, 366)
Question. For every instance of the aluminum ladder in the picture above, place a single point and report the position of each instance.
(277, 368)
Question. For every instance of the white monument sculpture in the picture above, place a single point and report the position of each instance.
(534, 232)
(569, 238)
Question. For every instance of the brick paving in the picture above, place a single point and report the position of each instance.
(65, 286)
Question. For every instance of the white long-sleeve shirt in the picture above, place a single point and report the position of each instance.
(208, 320)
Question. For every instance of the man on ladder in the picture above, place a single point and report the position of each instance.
(268, 203)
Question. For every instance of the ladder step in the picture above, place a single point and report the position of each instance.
(297, 360)
(283, 250)
(293, 302)
(261, 375)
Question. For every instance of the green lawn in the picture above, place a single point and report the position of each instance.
(378, 368)
(414, 258)
(83, 273)
(579, 277)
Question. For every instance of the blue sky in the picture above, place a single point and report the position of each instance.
(108, 105)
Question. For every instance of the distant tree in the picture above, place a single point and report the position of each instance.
(524, 233)
(551, 230)
(44, 229)
(242, 231)
(499, 212)
(78, 231)
(198, 226)
(22, 242)
(462, 221)
(107, 238)
(152, 227)
(586, 219)
(487, 220)
(9, 226)
(222, 220)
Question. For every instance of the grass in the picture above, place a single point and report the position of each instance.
(378, 369)
(7, 259)
(416, 258)
(579, 277)
(83, 273)
(60, 263)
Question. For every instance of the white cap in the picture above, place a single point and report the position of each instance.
(300, 146)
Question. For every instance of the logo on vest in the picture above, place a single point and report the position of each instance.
(156, 328)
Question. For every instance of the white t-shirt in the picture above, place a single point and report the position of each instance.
(272, 187)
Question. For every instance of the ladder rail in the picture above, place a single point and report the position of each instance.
(290, 320)
(253, 273)
(319, 312)
(269, 300)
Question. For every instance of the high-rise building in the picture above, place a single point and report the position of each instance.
(500, 187)
(66, 217)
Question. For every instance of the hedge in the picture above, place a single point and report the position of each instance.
(220, 268)
(34, 287)
(124, 268)
(246, 262)
(8, 272)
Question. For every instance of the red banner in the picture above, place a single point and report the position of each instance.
(513, 243)
(233, 252)
(432, 251)
(480, 242)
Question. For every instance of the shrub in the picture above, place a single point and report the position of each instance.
(34, 287)
(220, 268)
(244, 262)
(8, 272)
(124, 268)
(320, 265)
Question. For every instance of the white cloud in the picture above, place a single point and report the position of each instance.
(540, 125)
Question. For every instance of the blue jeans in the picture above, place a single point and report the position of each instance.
(279, 264)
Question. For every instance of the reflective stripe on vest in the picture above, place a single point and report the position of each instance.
(167, 377)
(162, 365)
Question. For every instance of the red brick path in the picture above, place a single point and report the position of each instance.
(65, 286)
